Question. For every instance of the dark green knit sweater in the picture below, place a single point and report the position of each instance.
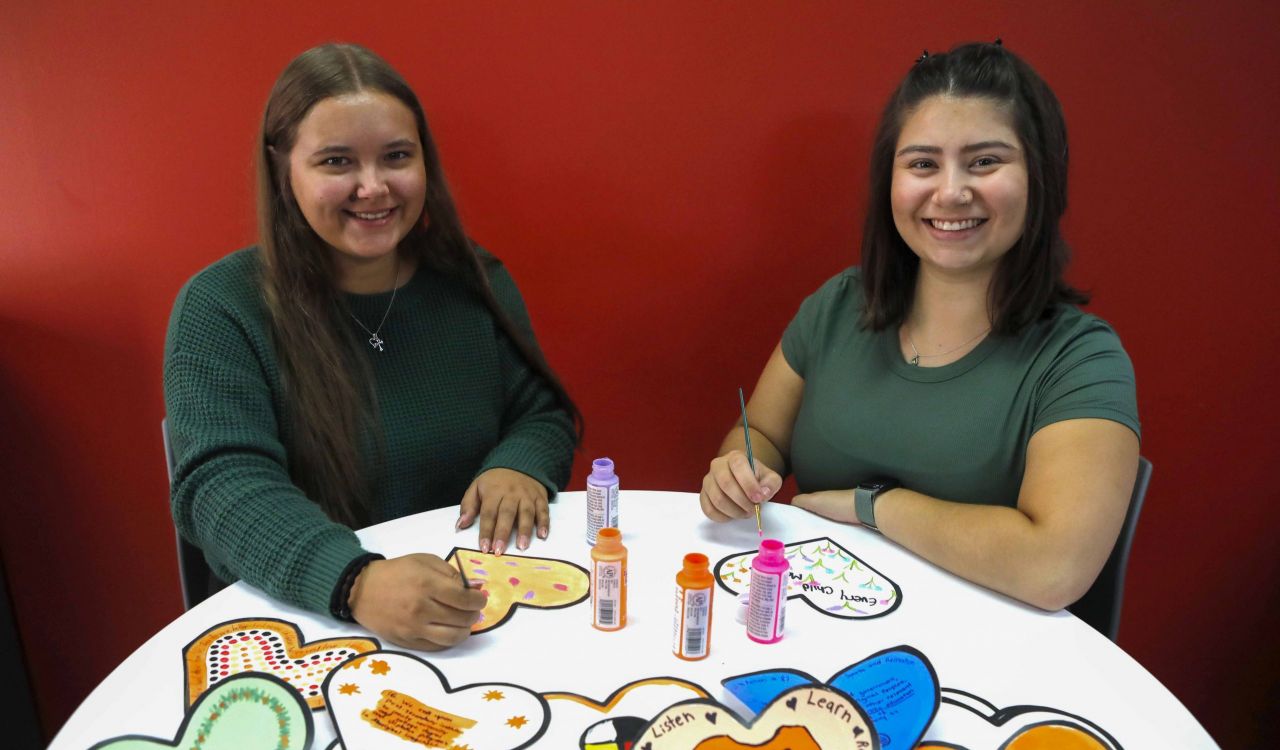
(455, 398)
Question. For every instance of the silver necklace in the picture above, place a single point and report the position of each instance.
(917, 356)
(374, 339)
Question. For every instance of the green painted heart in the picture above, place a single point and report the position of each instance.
(251, 711)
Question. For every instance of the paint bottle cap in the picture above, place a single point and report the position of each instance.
(772, 551)
(695, 563)
(602, 469)
(609, 539)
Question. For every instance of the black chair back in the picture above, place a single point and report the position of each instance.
(198, 580)
(1100, 606)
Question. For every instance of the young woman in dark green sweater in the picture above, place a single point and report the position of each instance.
(363, 362)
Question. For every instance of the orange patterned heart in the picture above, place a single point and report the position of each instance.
(266, 645)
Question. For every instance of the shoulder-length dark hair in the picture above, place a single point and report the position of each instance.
(1028, 281)
(329, 407)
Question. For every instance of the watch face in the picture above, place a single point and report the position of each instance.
(874, 485)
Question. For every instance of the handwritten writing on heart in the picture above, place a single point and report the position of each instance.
(897, 687)
(828, 577)
(579, 721)
(390, 699)
(965, 720)
(512, 581)
(270, 646)
(244, 711)
(810, 717)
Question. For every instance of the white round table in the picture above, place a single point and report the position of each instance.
(989, 652)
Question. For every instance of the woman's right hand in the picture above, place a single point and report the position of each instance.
(730, 489)
(417, 601)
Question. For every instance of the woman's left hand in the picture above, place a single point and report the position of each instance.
(503, 498)
(834, 504)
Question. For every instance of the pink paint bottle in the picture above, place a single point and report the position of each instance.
(766, 611)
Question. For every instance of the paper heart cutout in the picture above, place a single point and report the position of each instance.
(269, 646)
(512, 581)
(897, 687)
(967, 721)
(824, 719)
(628, 709)
(828, 577)
(245, 711)
(390, 699)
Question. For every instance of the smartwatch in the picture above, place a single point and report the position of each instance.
(864, 499)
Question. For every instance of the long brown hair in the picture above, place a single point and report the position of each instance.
(330, 410)
(1029, 282)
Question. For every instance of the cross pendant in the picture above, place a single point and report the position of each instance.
(914, 361)
(376, 342)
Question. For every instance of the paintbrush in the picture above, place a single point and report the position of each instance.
(457, 560)
(751, 460)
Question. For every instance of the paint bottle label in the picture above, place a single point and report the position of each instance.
(608, 582)
(602, 509)
(765, 612)
(690, 633)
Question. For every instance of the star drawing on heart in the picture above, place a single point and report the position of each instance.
(349, 688)
(494, 695)
(378, 666)
(517, 721)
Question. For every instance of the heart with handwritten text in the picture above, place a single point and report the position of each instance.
(826, 576)
(385, 699)
(810, 717)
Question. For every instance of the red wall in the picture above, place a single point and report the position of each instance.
(667, 181)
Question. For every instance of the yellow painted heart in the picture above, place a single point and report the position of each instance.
(512, 581)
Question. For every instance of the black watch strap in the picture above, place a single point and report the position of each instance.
(864, 499)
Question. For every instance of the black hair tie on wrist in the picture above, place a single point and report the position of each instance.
(338, 605)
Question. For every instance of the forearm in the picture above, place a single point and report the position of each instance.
(256, 525)
(538, 437)
(995, 546)
(762, 449)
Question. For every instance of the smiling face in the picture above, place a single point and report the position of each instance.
(357, 173)
(959, 188)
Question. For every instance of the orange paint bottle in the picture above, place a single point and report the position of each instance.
(691, 632)
(608, 581)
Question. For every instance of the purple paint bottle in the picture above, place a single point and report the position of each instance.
(602, 498)
(766, 610)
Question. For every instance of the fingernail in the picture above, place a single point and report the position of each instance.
(484, 545)
(542, 532)
(522, 541)
(457, 524)
(499, 546)
(485, 592)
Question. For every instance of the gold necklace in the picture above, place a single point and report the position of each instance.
(917, 356)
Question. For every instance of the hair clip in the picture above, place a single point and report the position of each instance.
(922, 57)
(999, 42)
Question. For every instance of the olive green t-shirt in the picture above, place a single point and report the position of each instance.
(957, 432)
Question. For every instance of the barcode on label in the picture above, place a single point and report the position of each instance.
(605, 612)
(693, 642)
